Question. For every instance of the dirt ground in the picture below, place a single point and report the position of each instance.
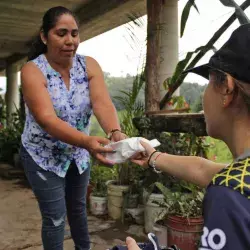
(20, 222)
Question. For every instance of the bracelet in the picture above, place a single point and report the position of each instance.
(151, 157)
(110, 134)
(154, 164)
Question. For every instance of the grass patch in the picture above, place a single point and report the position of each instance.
(218, 151)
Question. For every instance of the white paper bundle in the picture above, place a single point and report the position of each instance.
(125, 149)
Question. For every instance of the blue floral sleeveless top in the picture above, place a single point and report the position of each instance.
(72, 106)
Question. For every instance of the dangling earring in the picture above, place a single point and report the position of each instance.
(224, 102)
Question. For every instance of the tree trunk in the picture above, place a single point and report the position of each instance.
(152, 91)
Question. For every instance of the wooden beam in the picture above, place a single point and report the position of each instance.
(96, 8)
(2, 64)
(10, 12)
(39, 7)
(13, 46)
(96, 17)
(13, 22)
(12, 60)
(111, 19)
(15, 38)
(4, 54)
(152, 89)
(176, 123)
(167, 111)
(15, 57)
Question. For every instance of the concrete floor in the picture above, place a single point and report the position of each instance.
(20, 222)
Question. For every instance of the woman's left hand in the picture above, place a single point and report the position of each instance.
(118, 136)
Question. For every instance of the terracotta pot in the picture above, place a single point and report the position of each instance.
(184, 232)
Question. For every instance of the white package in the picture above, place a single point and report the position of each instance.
(125, 149)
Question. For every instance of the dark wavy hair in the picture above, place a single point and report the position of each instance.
(50, 19)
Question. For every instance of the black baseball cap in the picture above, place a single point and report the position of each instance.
(233, 57)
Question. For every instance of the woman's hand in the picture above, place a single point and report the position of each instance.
(94, 144)
(118, 136)
(131, 244)
(141, 159)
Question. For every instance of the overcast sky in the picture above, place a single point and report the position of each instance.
(113, 51)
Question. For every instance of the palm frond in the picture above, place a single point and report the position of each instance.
(185, 14)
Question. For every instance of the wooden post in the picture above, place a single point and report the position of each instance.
(152, 89)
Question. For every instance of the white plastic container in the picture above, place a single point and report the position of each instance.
(98, 205)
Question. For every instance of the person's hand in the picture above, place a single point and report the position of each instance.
(141, 159)
(131, 244)
(94, 144)
(118, 136)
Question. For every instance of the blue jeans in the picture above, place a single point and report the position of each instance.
(57, 196)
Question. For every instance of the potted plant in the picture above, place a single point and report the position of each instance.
(183, 219)
(10, 137)
(116, 191)
(98, 196)
(118, 187)
(124, 190)
(182, 201)
(133, 207)
(173, 143)
(132, 196)
(153, 199)
(98, 199)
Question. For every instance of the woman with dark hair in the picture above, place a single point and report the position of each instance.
(226, 103)
(61, 89)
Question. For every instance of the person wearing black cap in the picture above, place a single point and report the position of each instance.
(226, 104)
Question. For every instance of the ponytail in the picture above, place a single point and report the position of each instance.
(37, 48)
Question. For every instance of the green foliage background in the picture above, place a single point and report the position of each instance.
(192, 93)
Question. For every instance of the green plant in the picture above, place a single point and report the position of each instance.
(174, 82)
(197, 105)
(184, 144)
(99, 175)
(178, 102)
(9, 144)
(133, 108)
(10, 135)
(183, 200)
(218, 151)
(242, 17)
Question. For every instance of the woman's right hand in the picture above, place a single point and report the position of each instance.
(131, 244)
(142, 158)
(95, 146)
